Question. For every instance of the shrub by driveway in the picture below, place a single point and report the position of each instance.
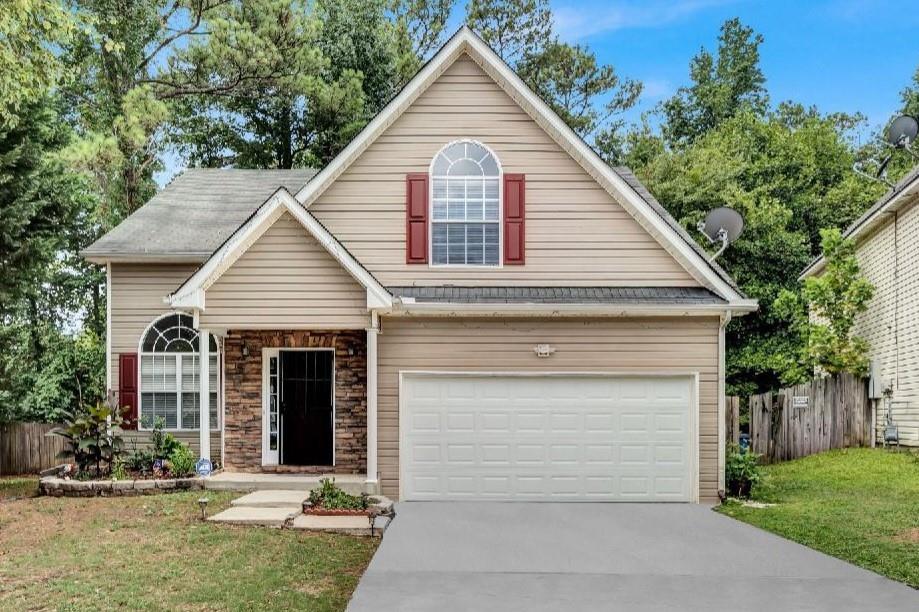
(861, 505)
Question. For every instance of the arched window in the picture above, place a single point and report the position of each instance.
(169, 374)
(465, 210)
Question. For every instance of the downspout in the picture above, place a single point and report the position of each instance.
(722, 388)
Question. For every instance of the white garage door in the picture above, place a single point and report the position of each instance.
(581, 438)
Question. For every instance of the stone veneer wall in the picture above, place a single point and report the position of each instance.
(243, 417)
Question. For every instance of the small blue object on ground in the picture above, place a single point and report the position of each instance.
(204, 467)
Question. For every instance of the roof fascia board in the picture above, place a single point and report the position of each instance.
(507, 79)
(191, 293)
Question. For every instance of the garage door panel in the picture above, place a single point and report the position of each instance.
(553, 438)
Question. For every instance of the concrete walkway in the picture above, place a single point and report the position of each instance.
(572, 557)
(282, 508)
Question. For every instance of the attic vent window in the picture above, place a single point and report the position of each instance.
(465, 206)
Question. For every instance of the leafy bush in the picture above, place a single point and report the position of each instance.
(330, 496)
(162, 443)
(741, 471)
(119, 469)
(140, 460)
(182, 461)
(93, 434)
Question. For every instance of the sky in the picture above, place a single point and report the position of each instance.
(840, 55)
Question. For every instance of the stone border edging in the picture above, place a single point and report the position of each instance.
(60, 487)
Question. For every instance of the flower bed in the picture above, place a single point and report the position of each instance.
(320, 511)
(329, 500)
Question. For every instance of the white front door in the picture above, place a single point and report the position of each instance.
(271, 406)
(548, 437)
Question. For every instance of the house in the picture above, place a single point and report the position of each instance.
(887, 247)
(465, 303)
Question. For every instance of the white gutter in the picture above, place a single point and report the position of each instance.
(722, 389)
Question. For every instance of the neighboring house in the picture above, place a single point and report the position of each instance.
(465, 303)
(887, 246)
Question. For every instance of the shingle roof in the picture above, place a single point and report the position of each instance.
(629, 177)
(559, 295)
(194, 215)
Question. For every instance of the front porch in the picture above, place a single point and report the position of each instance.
(225, 480)
(295, 409)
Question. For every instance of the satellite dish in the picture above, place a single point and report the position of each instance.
(902, 131)
(722, 225)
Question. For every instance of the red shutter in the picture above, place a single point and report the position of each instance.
(514, 219)
(127, 388)
(416, 218)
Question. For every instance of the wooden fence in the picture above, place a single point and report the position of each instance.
(732, 419)
(28, 448)
(826, 413)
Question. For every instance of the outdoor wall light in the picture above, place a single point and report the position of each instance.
(245, 350)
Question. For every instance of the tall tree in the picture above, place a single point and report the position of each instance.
(139, 58)
(515, 29)
(722, 86)
(419, 31)
(788, 173)
(30, 32)
(590, 97)
(274, 122)
(347, 59)
(824, 314)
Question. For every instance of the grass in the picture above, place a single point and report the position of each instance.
(154, 553)
(15, 487)
(861, 505)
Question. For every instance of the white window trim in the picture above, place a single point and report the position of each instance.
(430, 211)
(215, 427)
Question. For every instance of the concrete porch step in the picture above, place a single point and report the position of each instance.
(247, 515)
(242, 481)
(272, 498)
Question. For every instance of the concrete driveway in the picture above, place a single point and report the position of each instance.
(569, 557)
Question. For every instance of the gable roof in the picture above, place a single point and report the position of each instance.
(662, 227)
(192, 216)
(879, 213)
(191, 294)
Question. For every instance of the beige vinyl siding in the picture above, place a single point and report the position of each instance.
(136, 296)
(141, 440)
(684, 345)
(286, 280)
(576, 233)
(891, 323)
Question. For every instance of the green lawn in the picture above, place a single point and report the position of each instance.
(14, 487)
(861, 505)
(153, 553)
